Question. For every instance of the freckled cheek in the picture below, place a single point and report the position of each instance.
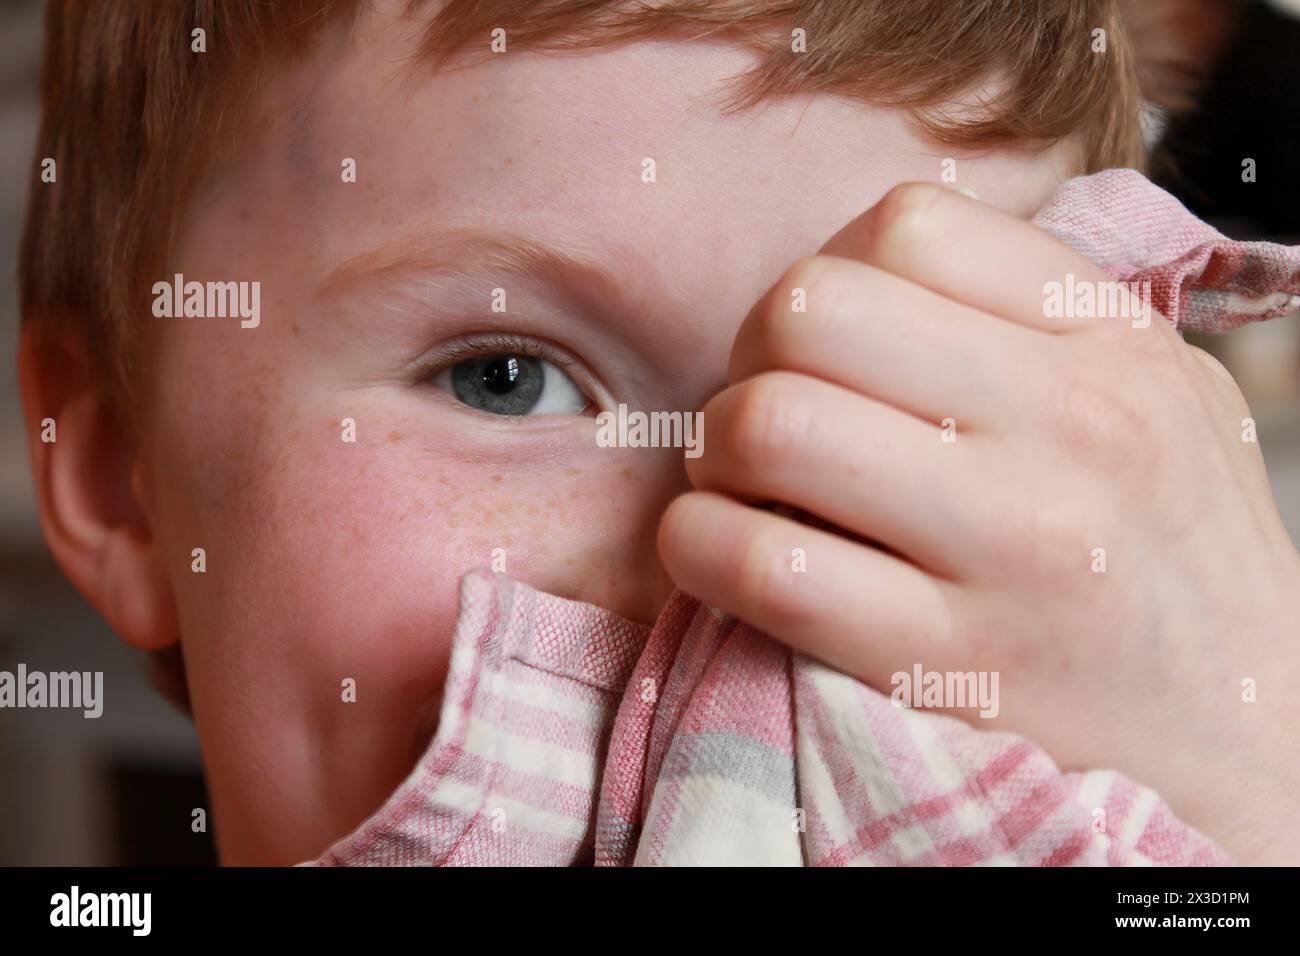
(355, 554)
(585, 532)
(376, 553)
(407, 526)
(344, 560)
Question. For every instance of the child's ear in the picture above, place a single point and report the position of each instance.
(1176, 44)
(87, 481)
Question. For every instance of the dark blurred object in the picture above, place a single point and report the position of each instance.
(1249, 110)
(152, 815)
(1177, 44)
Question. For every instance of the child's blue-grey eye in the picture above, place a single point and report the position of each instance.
(512, 384)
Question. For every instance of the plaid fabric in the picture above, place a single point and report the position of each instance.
(568, 735)
(752, 754)
(1200, 280)
(512, 774)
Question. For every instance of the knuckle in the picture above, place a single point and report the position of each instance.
(807, 287)
(763, 421)
(1102, 423)
(903, 218)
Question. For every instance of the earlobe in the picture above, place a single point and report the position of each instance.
(84, 472)
(137, 596)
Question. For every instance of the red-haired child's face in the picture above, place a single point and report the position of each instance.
(328, 559)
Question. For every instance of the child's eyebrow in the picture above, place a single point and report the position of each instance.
(484, 253)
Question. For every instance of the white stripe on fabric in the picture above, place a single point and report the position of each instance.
(856, 737)
(587, 713)
(720, 822)
(538, 757)
(520, 814)
(818, 790)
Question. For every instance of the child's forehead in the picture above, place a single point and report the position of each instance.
(623, 147)
(658, 95)
(623, 153)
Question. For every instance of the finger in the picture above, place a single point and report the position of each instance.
(870, 331)
(854, 607)
(859, 464)
(975, 254)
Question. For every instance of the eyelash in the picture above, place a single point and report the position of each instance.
(503, 342)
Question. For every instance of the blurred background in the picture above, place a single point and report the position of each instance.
(95, 792)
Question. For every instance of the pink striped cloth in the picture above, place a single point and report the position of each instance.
(1200, 280)
(569, 735)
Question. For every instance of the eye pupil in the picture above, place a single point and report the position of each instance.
(510, 381)
(500, 375)
(503, 384)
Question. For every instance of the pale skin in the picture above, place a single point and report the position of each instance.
(1068, 436)
(329, 560)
